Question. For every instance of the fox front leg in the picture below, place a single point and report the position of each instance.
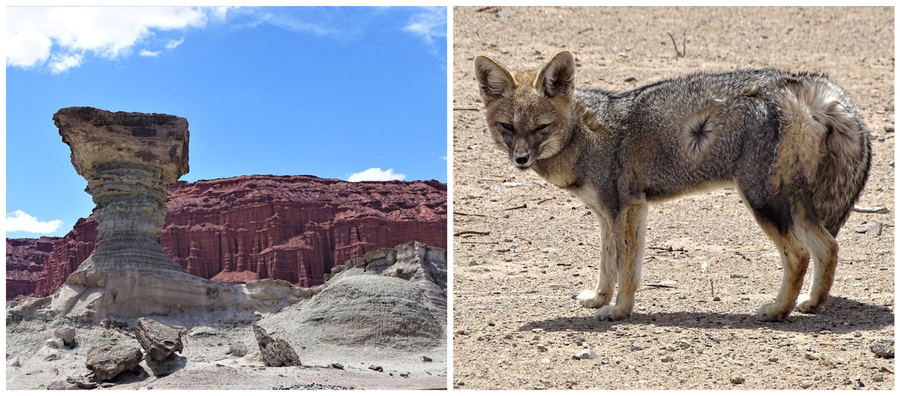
(629, 231)
(602, 292)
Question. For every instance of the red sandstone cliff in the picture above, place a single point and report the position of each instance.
(294, 228)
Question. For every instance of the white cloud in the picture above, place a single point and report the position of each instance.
(63, 35)
(21, 221)
(172, 44)
(431, 22)
(61, 63)
(148, 53)
(376, 174)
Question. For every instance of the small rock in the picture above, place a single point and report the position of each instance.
(811, 356)
(337, 366)
(545, 361)
(737, 380)
(238, 348)
(107, 385)
(883, 348)
(61, 385)
(874, 229)
(66, 334)
(376, 368)
(889, 128)
(55, 343)
(773, 359)
(404, 374)
(426, 359)
(630, 78)
(878, 377)
(857, 334)
(667, 359)
(585, 354)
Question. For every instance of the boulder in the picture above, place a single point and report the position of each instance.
(238, 349)
(160, 341)
(66, 334)
(109, 360)
(275, 352)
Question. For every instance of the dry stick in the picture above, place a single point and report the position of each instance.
(469, 214)
(712, 289)
(480, 242)
(545, 200)
(466, 109)
(472, 233)
(877, 209)
(666, 249)
(661, 286)
(683, 42)
(522, 206)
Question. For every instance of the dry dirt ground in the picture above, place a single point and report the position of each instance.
(708, 266)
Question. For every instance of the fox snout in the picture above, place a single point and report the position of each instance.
(522, 154)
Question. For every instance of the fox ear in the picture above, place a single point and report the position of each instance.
(493, 80)
(558, 76)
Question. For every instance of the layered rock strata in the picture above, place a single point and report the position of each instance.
(238, 229)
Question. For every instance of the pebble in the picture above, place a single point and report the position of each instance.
(878, 377)
(737, 380)
(883, 348)
(585, 354)
(630, 78)
(337, 366)
(857, 334)
(376, 368)
(889, 128)
(811, 356)
(426, 359)
(667, 359)
(545, 361)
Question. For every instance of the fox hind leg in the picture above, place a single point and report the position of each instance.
(602, 292)
(776, 219)
(824, 251)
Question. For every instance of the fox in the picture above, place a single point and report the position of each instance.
(792, 145)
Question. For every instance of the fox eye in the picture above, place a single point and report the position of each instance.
(508, 127)
(541, 127)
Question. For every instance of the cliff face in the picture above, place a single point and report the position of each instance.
(25, 260)
(294, 228)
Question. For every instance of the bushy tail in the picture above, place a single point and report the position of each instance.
(826, 139)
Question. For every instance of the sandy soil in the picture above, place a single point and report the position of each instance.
(205, 364)
(516, 323)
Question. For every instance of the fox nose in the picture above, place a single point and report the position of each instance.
(522, 159)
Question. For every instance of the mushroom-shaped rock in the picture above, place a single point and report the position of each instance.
(160, 341)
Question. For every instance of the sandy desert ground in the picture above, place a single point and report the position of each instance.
(708, 266)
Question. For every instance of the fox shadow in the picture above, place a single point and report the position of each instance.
(841, 315)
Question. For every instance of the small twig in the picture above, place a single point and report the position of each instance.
(522, 206)
(545, 200)
(877, 209)
(666, 248)
(469, 214)
(480, 242)
(683, 42)
(660, 286)
(472, 233)
(466, 109)
(712, 288)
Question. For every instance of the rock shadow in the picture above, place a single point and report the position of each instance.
(166, 367)
(842, 315)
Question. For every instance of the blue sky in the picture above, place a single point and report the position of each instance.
(349, 93)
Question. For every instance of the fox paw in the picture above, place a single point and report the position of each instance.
(592, 299)
(611, 313)
(772, 312)
(805, 304)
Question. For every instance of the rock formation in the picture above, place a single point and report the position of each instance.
(275, 352)
(109, 360)
(26, 260)
(390, 301)
(128, 159)
(160, 341)
(294, 228)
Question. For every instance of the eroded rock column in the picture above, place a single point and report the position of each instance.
(128, 160)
